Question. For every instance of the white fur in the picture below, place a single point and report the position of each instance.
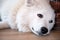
(22, 14)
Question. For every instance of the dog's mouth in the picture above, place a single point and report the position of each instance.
(40, 32)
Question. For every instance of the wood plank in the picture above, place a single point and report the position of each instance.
(8, 34)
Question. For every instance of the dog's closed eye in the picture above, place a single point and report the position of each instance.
(40, 15)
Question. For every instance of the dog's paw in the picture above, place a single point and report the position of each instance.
(24, 30)
(13, 27)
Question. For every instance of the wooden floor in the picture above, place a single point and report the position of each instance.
(8, 34)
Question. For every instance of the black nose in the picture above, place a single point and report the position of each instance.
(44, 30)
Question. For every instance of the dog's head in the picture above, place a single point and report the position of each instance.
(42, 21)
(42, 17)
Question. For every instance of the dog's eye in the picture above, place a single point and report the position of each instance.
(51, 21)
(32, 28)
(40, 15)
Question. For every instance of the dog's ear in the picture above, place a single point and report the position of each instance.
(30, 3)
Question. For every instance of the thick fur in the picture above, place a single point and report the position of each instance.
(22, 15)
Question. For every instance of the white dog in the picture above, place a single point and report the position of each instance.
(35, 16)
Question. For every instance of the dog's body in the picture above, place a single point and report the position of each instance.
(24, 15)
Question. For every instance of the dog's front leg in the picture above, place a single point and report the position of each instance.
(22, 25)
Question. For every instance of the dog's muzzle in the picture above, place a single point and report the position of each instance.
(42, 31)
